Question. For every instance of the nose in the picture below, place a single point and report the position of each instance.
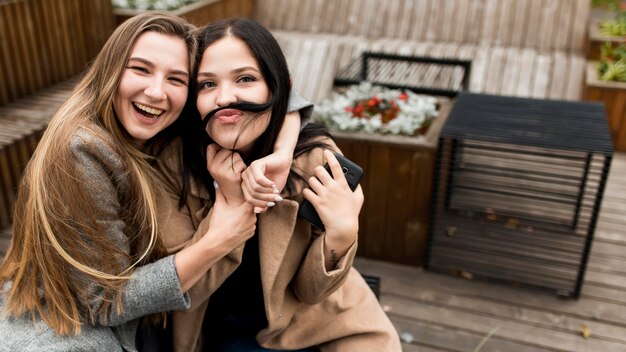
(225, 96)
(155, 89)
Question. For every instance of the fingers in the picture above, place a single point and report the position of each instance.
(335, 167)
(211, 151)
(257, 176)
(259, 190)
(315, 184)
(309, 195)
(257, 184)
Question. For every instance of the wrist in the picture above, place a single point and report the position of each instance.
(339, 242)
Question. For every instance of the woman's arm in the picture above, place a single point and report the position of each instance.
(264, 179)
(338, 207)
(329, 258)
(230, 227)
(182, 227)
(158, 286)
(151, 288)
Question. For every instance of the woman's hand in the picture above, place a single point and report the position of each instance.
(337, 206)
(226, 167)
(231, 226)
(258, 188)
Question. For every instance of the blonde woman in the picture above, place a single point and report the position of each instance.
(86, 260)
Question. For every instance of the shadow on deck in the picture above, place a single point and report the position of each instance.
(446, 313)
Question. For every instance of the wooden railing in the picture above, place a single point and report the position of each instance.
(43, 45)
(43, 42)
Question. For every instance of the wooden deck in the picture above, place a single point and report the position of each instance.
(437, 312)
(445, 313)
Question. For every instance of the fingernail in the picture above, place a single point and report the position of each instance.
(257, 210)
(278, 199)
(270, 204)
(276, 191)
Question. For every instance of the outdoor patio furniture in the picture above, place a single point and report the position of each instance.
(519, 184)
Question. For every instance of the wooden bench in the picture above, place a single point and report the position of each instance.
(44, 44)
(525, 48)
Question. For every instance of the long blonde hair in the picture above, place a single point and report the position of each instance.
(58, 248)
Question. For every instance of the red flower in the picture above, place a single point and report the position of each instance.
(358, 110)
(403, 96)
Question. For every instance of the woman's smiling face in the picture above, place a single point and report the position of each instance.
(228, 73)
(154, 85)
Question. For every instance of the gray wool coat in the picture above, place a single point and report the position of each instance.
(153, 288)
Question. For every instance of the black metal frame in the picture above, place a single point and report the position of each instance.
(564, 245)
(343, 79)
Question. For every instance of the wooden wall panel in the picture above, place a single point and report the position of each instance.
(45, 42)
(397, 187)
(540, 24)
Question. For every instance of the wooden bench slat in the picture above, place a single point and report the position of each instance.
(489, 22)
(415, 20)
(462, 21)
(511, 74)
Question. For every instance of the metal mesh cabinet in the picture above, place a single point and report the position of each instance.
(518, 187)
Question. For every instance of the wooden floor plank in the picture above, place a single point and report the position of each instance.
(508, 329)
(509, 311)
(427, 336)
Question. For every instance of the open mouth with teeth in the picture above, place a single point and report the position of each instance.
(147, 111)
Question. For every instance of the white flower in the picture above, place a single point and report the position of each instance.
(151, 4)
(121, 4)
(142, 4)
(406, 115)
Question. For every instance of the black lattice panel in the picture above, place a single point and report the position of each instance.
(521, 213)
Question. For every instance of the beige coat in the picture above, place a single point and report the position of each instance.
(305, 305)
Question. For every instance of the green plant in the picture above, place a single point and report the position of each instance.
(616, 26)
(604, 2)
(612, 66)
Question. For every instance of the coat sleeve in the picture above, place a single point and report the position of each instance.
(312, 283)
(298, 103)
(152, 288)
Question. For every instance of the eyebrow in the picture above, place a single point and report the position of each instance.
(235, 71)
(149, 63)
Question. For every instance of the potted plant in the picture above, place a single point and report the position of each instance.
(375, 109)
(393, 135)
(606, 82)
(607, 24)
(198, 12)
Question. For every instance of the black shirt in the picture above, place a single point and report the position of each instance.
(236, 309)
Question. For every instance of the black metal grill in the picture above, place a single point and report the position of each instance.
(518, 187)
(426, 75)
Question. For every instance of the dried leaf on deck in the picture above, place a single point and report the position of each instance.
(585, 331)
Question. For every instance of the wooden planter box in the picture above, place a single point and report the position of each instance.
(613, 95)
(596, 39)
(397, 186)
(202, 12)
